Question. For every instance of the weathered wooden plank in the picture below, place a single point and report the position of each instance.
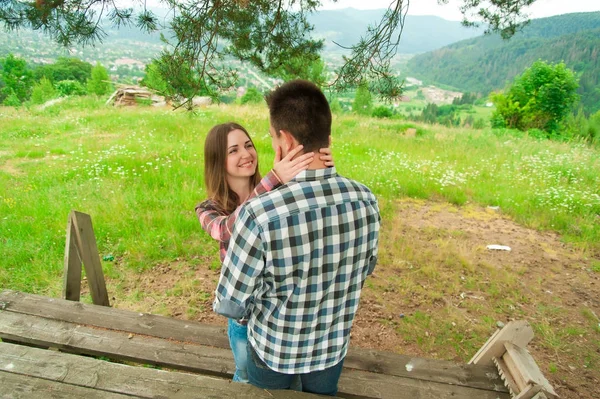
(361, 384)
(116, 345)
(122, 379)
(115, 319)
(206, 360)
(517, 332)
(14, 386)
(528, 368)
(482, 377)
(72, 268)
(88, 251)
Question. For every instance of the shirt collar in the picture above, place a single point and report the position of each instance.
(316, 174)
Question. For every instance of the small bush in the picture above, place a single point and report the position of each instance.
(497, 121)
(42, 91)
(479, 123)
(252, 96)
(70, 88)
(12, 100)
(336, 106)
(382, 112)
(537, 133)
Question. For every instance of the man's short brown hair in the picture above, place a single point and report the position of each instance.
(301, 108)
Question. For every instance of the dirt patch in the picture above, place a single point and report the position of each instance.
(10, 168)
(438, 292)
(410, 132)
(178, 289)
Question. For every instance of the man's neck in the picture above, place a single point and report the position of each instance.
(316, 163)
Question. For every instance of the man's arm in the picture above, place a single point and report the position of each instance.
(239, 282)
(374, 240)
(220, 226)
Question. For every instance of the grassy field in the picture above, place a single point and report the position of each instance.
(139, 173)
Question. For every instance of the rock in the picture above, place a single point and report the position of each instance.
(499, 324)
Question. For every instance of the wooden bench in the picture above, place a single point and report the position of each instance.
(195, 359)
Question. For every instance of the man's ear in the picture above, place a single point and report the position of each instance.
(288, 139)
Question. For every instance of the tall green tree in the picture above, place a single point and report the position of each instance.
(264, 33)
(314, 70)
(539, 98)
(17, 78)
(99, 82)
(65, 68)
(363, 101)
(154, 80)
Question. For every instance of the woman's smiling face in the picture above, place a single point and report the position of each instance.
(241, 155)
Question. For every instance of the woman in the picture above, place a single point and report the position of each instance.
(232, 177)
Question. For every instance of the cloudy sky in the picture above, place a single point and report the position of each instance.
(540, 9)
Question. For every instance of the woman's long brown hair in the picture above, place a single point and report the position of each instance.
(215, 172)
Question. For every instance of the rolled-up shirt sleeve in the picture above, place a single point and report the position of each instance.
(242, 269)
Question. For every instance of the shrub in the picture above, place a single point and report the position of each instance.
(252, 96)
(42, 91)
(363, 102)
(382, 112)
(336, 106)
(70, 88)
(12, 100)
(99, 83)
(540, 98)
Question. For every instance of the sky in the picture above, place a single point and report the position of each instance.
(450, 11)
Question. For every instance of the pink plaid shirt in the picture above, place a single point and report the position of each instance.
(216, 222)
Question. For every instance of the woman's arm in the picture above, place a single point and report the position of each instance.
(219, 225)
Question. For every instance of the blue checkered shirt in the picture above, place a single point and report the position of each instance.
(295, 267)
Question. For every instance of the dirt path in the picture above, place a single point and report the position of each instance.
(439, 292)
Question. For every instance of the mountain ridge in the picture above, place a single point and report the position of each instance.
(487, 63)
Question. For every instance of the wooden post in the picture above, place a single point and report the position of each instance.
(72, 269)
(81, 247)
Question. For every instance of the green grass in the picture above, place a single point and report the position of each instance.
(139, 173)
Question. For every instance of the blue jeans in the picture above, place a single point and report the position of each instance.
(238, 341)
(323, 382)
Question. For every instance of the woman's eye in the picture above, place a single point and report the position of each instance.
(232, 152)
(249, 145)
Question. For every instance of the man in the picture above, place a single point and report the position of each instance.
(299, 255)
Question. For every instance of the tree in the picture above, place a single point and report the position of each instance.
(70, 88)
(17, 78)
(42, 91)
(363, 101)
(99, 82)
(265, 33)
(538, 99)
(65, 69)
(313, 70)
(154, 80)
(11, 99)
(252, 96)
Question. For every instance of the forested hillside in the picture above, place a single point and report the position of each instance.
(421, 33)
(487, 63)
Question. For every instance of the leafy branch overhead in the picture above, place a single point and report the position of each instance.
(272, 35)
